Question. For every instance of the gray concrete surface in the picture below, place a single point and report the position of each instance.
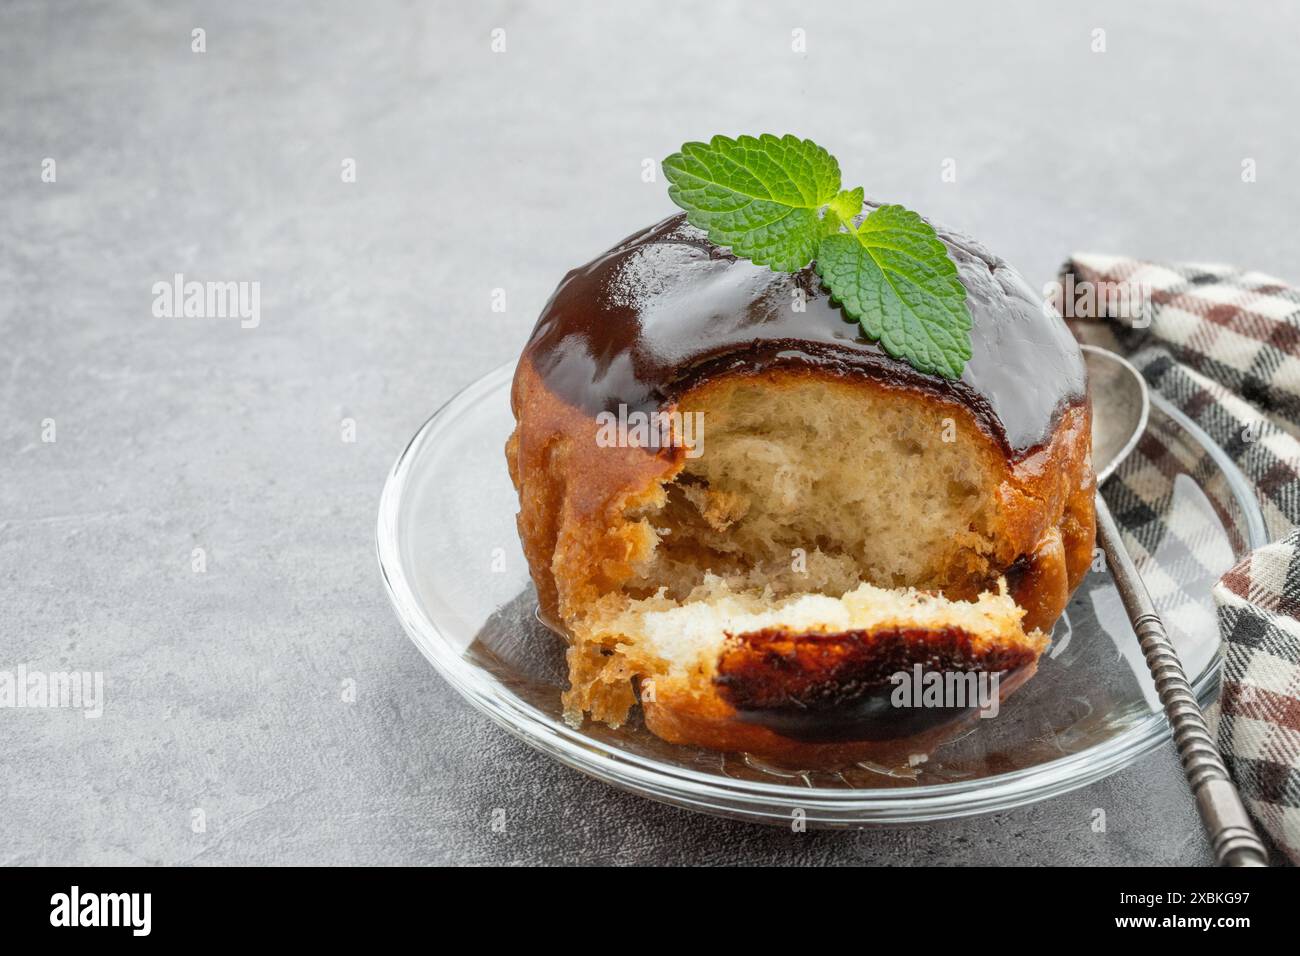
(475, 171)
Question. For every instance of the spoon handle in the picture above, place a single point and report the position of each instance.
(1231, 833)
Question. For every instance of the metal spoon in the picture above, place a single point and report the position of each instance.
(1121, 407)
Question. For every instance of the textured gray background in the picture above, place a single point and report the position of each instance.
(475, 171)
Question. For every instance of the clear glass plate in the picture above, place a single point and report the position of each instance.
(452, 563)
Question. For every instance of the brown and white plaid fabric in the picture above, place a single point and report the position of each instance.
(1223, 345)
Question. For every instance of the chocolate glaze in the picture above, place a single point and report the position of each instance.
(870, 717)
(825, 688)
(666, 309)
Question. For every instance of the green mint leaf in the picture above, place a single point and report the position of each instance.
(759, 196)
(895, 277)
(845, 206)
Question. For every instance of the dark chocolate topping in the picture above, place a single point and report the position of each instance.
(820, 688)
(666, 309)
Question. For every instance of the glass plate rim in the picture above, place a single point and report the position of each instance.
(748, 798)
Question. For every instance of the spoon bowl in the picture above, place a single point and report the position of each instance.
(1121, 406)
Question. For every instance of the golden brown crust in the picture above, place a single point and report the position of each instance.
(572, 497)
(581, 543)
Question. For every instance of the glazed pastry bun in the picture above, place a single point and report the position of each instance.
(745, 516)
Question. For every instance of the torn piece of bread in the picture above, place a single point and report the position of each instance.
(786, 677)
(818, 512)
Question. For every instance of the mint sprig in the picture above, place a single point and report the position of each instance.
(759, 196)
(894, 276)
(777, 201)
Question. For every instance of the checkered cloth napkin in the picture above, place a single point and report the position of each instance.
(1222, 345)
